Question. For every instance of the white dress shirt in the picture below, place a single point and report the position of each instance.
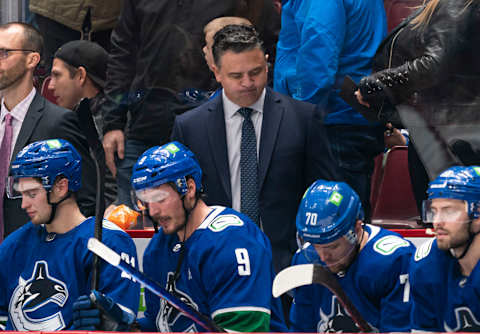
(18, 115)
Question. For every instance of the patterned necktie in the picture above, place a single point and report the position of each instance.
(5, 151)
(248, 167)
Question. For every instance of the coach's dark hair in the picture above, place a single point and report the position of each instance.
(235, 38)
(32, 38)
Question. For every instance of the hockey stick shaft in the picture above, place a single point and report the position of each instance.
(98, 155)
(115, 260)
(322, 276)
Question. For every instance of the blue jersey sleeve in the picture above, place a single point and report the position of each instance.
(152, 302)
(114, 283)
(3, 285)
(302, 318)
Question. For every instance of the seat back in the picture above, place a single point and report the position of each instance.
(376, 179)
(398, 10)
(48, 93)
(393, 195)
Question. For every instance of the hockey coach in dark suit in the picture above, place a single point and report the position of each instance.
(26, 117)
(259, 150)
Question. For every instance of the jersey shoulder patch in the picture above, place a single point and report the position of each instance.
(107, 224)
(387, 245)
(221, 222)
(423, 251)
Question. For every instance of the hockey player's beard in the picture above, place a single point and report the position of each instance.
(13, 75)
(171, 224)
(446, 240)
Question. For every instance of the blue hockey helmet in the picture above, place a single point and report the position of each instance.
(47, 160)
(328, 211)
(458, 182)
(171, 162)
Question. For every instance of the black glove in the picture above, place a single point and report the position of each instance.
(99, 312)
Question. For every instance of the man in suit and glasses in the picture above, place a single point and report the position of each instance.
(25, 117)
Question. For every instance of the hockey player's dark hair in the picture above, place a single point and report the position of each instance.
(235, 38)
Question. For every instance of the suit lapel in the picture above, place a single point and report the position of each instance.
(30, 121)
(272, 116)
(218, 143)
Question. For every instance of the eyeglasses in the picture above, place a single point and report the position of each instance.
(4, 53)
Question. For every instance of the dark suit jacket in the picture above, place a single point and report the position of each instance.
(45, 120)
(294, 152)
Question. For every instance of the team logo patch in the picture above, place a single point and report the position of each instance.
(424, 250)
(222, 222)
(338, 321)
(466, 321)
(336, 198)
(172, 148)
(389, 244)
(35, 302)
(169, 319)
(54, 143)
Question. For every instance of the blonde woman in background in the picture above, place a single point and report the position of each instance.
(427, 70)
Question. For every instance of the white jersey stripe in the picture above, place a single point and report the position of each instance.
(240, 309)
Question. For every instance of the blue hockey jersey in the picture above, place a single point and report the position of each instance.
(376, 282)
(442, 298)
(42, 274)
(227, 268)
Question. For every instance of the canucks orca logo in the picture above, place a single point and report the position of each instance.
(35, 302)
(338, 321)
(466, 321)
(169, 319)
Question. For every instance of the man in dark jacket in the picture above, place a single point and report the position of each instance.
(156, 70)
(79, 71)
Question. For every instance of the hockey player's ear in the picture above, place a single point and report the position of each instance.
(61, 186)
(476, 225)
(358, 227)
(192, 188)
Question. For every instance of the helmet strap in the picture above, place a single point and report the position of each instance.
(359, 242)
(471, 236)
(176, 275)
(188, 212)
(54, 205)
(356, 250)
